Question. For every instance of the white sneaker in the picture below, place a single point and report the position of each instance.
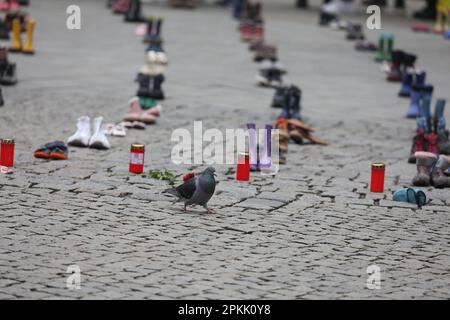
(81, 137)
(98, 139)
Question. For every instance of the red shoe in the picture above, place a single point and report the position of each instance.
(431, 139)
(246, 32)
(257, 33)
(121, 6)
(418, 145)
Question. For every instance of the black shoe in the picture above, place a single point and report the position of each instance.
(443, 142)
(355, 32)
(4, 32)
(295, 95)
(302, 4)
(153, 35)
(8, 77)
(156, 91)
(134, 12)
(279, 97)
(427, 13)
(144, 85)
(275, 77)
(399, 4)
(286, 112)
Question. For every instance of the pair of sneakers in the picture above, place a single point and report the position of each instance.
(84, 137)
(431, 170)
(56, 150)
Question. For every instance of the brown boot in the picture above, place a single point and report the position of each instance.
(425, 162)
(438, 177)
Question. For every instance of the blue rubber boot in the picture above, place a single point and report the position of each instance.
(413, 111)
(420, 78)
(424, 111)
(237, 8)
(405, 90)
(427, 91)
(439, 120)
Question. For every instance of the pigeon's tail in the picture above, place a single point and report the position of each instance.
(172, 192)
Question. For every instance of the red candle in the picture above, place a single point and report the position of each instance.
(377, 179)
(243, 167)
(7, 153)
(137, 158)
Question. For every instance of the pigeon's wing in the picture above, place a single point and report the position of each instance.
(206, 188)
(187, 189)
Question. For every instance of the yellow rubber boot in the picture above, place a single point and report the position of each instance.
(28, 46)
(17, 37)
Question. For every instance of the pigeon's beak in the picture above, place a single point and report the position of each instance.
(215, 175)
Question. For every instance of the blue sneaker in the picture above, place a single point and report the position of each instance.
(410, 195)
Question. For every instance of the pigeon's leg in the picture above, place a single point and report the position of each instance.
(184, 209)
(209, 210)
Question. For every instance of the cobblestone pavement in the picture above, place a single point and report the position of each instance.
(310, 232)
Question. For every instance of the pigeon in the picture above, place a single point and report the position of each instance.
(196, 190)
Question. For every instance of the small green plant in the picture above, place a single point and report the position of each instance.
(161, 175)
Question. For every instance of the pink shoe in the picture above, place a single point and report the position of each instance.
(141, 30)
(156, 111)
(4, 6)
(14, 6)
(135, 111)
(148, 117)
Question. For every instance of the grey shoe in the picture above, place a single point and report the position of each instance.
(425, 162)
(443, 142)
(438, 177)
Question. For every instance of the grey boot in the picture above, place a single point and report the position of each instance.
(438, 177)
(425, 162)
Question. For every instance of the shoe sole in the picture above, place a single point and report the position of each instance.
(57, 156)
(98, 145)
(78, 143)
(41, 155)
